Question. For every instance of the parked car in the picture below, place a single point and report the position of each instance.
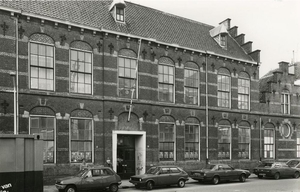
(90, 178)
(219, 172)
(275, 170)
(160, 175)
(294, 163)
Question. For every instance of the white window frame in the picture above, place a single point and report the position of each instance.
(243, 94)
(298, 143)
(248, 128)
(230, 144)
(222, 91)
(116, 12)
(198, 89)
(174, 141)
(29, 66)
(70, 139)
(163, 83)
(198, 158)
(273, 144)
(54, 136)
(285, 103)
(92, 71)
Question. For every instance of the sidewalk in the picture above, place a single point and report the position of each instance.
(125, 184)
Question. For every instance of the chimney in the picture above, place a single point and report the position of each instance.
(233, 31)
(247, 47)
(240, 39)
(226, 22)
(284, 66)
(255, 55)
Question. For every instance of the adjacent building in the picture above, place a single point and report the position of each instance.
(100, 80)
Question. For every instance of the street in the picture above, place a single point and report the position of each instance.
(253, 184)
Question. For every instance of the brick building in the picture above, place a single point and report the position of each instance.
(115, 80)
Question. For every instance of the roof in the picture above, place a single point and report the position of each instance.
(139, 21)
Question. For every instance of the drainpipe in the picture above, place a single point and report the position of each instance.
(103, 97)
(16, 88)
(260, 145)
(206, 106)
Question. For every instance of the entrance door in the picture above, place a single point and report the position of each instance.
(126, 156)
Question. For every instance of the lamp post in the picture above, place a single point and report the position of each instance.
(13, 75)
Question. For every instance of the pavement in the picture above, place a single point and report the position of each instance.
(125, 184)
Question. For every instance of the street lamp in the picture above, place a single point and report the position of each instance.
(13, 75)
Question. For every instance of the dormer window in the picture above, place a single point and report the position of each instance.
(223, 39)
(120, 14)
(117, 10)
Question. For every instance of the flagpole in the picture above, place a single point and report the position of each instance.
(136, 76)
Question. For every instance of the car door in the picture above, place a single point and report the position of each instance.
(87, 182)
(221, 172)
(97, 178)
(229, 173)
(289, 171)
(175, 174)
(163, 177)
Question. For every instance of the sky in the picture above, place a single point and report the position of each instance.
(272, 25)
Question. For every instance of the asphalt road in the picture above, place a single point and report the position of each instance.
(251, 185)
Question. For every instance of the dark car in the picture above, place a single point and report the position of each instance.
(275, 170)
(219, 172)
(160, 175)
(294, 163)
(91, 178)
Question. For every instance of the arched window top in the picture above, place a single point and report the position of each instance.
(81, 113)
(166, 119)
(269, 126)
(224, 122)
(127, 53)
(43, 38)
(285, 90)
(165, 60)
(244, 124)
(223, 71)
(192, 120)
(244, 75)
(81, 45)
(42, 110)
(192, 65)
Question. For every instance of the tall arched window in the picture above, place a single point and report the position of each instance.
(244, 91)
(128, 70)
(41, 59)
(166, 79)
(224, 87)
(224, 140)
(42, 122)
(192, 135)
(81, 136)
(269, 140)
(244, 140)
(81, 68)
(166, 138)
(191, 83)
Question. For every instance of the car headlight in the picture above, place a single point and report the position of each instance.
(141, 180)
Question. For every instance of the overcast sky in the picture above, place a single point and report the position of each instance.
(272, 25)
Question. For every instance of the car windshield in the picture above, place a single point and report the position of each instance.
(81, 172)
(265, 165)
(292, 163)
(152, 170)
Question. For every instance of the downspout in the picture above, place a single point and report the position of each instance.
(103, 97)
(17, 74)
(206, 106)
(260, 145)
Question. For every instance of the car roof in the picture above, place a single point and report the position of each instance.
(166, 166)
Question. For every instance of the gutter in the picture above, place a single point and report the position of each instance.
(206, 106)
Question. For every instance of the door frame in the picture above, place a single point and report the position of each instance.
(140, 148)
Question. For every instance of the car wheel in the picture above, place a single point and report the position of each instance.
(276, 176)
(296, 175)
(242, 178)
(149, 185)
(70, 188)
(113, 188)
(260, 176)
(181, 183)
(216, 180)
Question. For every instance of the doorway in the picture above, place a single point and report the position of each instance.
(129, 152)
(126, 156)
